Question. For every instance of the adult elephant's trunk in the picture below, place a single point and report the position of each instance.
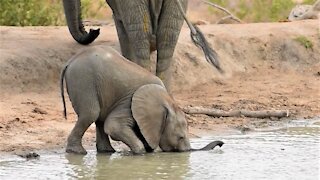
(210, 146)
(72, 9)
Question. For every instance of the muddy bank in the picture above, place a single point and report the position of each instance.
(33, 56)
(267, 66)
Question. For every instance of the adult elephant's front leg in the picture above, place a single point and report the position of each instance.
(135, 18)
(169, 28)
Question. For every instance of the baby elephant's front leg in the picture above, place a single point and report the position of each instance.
(103, 144)
(121, 132)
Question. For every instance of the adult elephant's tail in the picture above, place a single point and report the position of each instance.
(72, 9)
(199, 40)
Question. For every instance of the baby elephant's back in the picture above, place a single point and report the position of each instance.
(105, 70)
(118, 71)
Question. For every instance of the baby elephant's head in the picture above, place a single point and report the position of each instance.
(161, 121)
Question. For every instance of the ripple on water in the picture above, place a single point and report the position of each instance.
(289, 153)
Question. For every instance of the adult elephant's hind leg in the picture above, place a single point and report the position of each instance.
(103, 144)
(135, 18)
(125, 45)
(170, 24)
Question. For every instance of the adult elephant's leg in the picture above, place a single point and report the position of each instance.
(125, 45)
(103, 144)
(169, 28)
(135, 17)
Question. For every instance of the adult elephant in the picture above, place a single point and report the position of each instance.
(143, 26)
(125, 101)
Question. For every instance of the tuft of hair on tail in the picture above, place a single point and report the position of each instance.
(200, 41)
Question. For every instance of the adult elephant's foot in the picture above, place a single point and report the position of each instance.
(76, 149)
(165, 77)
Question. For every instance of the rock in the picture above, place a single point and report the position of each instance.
(302, 11)
(28, 155)
(39, 111)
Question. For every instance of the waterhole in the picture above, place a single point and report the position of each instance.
(288, 153)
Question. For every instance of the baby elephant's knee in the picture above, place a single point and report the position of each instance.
(112, 128)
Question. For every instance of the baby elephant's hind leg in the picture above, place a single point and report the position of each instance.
(88, 110)
(74, 144)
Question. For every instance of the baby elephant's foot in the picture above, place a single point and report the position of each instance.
(104, 148)
(106, 151)
(76, 149)
(138, 151)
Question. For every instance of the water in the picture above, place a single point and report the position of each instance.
(289, 153)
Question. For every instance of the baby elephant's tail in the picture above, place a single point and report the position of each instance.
(62, 90)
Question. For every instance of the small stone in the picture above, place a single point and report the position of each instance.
(29, 155)
(39, 111)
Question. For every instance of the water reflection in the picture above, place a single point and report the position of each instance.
(148, 166)
(291, 152)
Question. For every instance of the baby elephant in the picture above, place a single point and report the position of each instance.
(125, 101)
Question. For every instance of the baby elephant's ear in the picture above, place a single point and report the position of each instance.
(148, 108)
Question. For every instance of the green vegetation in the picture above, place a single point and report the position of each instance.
(258, 10)
(50, 12)
(304, 41)
(31, 13)
(93, 8)
(43, 12)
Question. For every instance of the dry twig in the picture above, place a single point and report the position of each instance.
(231, 16)
(236, 113)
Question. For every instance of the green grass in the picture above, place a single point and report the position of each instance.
(50, 12)
(258, 10)
(44, 12)
(31, 13)
(304, 41)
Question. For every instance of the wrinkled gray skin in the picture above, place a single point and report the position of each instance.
(125, 101)
(143, 26)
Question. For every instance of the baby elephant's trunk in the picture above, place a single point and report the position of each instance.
(210, 146)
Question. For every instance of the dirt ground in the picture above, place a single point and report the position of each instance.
(265, 68)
